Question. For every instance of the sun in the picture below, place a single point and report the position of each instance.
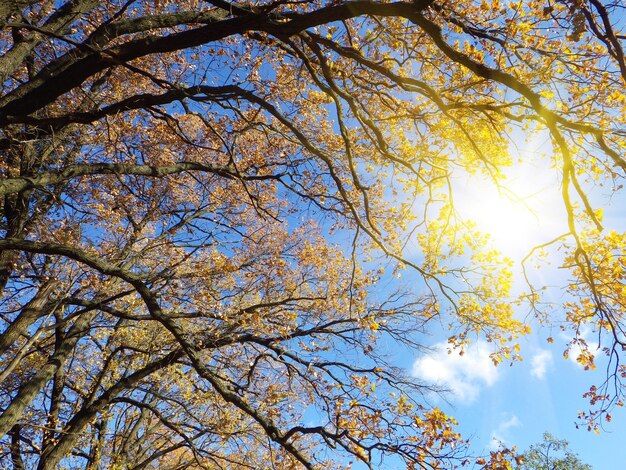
(520, 212)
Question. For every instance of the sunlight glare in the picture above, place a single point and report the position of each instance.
(525, 212)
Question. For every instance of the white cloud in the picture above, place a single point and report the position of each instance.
(463, 375)
(576, 349)
(500, 436)
(540, 362)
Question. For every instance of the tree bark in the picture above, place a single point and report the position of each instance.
(36, 308)
(29, 391)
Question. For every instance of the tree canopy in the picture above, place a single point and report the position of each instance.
(551, 454)
(205, 205)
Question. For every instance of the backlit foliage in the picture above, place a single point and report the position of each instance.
(206, 207)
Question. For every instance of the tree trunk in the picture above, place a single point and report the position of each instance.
(36, 308)
(29, 391)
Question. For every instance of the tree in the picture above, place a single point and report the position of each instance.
(199, 199)
(551, 454)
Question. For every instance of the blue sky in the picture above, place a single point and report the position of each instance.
(516, 404)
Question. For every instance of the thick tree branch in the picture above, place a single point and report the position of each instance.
(76, 66)
(16, 185)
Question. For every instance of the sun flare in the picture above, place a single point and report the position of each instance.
(520, 214)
